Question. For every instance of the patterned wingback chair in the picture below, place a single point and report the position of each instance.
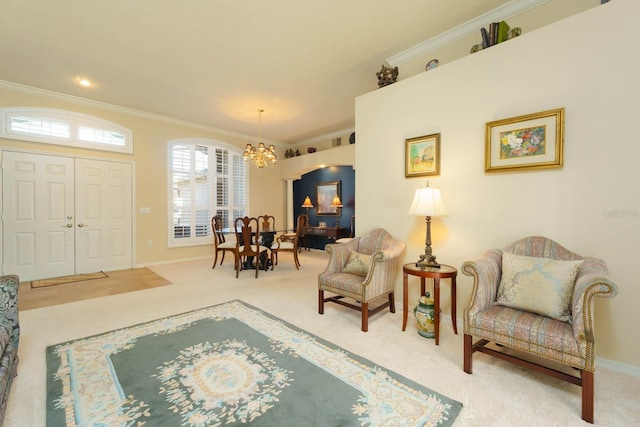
(362, 269)
(570, 341)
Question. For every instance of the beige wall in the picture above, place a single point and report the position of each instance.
(266, 189)
(585, 64)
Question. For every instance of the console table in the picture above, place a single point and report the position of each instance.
(329, 232)
(322, 234)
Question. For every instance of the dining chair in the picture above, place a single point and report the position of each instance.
(289, 243)
(219, 241)
(248, 243)
(267, 233)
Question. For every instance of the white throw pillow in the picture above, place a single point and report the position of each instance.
(538, 285)
(357, 264)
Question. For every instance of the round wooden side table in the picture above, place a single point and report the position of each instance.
(444, 272)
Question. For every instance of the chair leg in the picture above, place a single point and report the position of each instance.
(222, 260)
(365, 316)
(295, 259)
(392, 304)
(215, 259)
(468, 352)
(237, 264)
(587, 396)
(320, 302)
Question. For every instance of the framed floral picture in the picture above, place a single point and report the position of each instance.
(533, 141)
(422, 156)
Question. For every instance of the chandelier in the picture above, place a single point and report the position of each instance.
(261, 156)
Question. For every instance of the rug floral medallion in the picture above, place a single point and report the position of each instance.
(226, 365)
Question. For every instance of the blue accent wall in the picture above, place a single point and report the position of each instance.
(306, 186)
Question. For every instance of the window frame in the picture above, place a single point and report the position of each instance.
(231, 208)
(74, 121)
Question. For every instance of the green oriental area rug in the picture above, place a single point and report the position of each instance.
(227, 365)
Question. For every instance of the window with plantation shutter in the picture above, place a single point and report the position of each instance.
(206, 179)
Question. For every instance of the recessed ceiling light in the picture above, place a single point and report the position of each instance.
(84, 82)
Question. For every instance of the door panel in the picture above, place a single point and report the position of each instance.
(104, 216)
(37, 193)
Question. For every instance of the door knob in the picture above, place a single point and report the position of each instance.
(81, 225)
(67, 226)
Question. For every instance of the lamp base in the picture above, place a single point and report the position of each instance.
(427, 262)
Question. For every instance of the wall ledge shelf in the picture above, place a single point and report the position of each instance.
(295, 167)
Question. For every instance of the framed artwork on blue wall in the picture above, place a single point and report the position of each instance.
(325, 192)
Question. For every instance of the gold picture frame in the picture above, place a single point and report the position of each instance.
(532, 141)
(422, 156)
(325, 192)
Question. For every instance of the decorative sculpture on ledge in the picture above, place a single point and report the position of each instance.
(387, 76)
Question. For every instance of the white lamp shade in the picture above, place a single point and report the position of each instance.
(427, 202)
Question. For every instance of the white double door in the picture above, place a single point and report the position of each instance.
(64, 216)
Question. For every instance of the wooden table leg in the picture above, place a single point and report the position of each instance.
(454, 313)
(422, 286)
(436, 291)
(405, 299)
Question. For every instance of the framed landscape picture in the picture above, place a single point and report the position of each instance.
(422, 156)
(325, 192)
(534, 141)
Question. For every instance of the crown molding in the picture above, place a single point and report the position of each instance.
(29, 90)
(507, 10)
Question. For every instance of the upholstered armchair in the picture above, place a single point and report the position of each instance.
(537, 297)
(363, 269)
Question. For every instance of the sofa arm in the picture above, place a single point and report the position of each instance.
(592, 280)
(9, 310)
(9, 294)
(486, 272)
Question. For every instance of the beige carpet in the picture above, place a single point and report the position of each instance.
(67, 279)
(497, 394)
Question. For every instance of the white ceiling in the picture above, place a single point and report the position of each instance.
(217, 62)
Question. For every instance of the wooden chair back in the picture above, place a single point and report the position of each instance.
(216, 226)
(247, 233)
(267, 222)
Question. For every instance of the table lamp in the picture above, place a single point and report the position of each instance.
(307, 204)
(336, 203)
(428, 202)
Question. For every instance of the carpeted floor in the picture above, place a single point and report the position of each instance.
(497, 394)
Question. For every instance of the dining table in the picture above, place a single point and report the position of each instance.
(268, 236)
